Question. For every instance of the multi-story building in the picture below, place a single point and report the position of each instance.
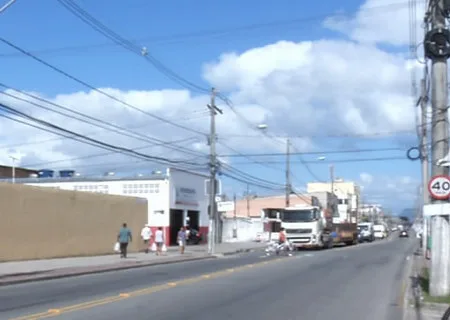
(175, 198)
(348, 194)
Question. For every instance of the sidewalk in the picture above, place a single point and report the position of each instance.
(36, 270)
(420, 310)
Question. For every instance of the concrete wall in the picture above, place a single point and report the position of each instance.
(247, 229)
(42, 223)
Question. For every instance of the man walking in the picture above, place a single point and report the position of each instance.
(123, 238)
(182, 239)
(146, 235)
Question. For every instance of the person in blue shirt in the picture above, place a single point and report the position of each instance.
(123, 238)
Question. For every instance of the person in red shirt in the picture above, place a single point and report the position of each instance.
(282, 238)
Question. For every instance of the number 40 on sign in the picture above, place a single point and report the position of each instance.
(439, 187)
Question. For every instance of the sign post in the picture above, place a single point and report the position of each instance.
(439, 187)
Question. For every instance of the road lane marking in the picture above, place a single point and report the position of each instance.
(127, 295)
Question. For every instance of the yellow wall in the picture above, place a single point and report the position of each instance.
(42, 223)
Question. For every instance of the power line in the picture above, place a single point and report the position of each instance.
(80, 137)
(101, 123)
(334, 135)
(278, 154)
(96, 89)
(128, 45)
(333, 161)
(202, 34)
(97, 155)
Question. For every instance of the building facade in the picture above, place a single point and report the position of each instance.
(175, 199)
(252, 207)
(348, 194)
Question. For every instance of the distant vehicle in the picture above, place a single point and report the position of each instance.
(379, 231)
(394, 229)
(404, 234)
(194, 237)
(366, 232)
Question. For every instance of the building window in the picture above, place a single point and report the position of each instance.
(140, 188)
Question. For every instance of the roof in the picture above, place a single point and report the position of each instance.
(85, 179)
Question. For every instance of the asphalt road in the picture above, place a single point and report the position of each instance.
(360, 282)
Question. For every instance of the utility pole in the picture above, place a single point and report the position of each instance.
(247, 197)
(288, 173)
(213, 173)
(437, 49)
(424, 159)
(332, 178)
(234, 217)
(13, 159)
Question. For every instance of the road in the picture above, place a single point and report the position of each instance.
(359, 282)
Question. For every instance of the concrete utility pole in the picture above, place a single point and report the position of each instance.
(332, 178)
(213, 173)
(288, 173)
(424, 159)
(437, 46)
(234, 217)
(247, 197)
(13, 159)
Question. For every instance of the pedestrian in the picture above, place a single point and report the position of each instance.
(182, 239)
(159, 240)
(123, 238)
(146, 235)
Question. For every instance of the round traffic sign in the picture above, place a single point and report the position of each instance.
(439, 187)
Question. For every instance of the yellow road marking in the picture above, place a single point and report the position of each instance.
(91, 304)
(54, 311)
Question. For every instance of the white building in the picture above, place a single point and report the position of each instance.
(175, 199)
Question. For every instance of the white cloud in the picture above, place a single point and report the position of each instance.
(381, 22)
(366, 178)
(308, 88)
(396, 191)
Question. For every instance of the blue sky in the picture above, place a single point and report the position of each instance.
(182, 34)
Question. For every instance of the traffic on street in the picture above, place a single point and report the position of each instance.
(355, 282)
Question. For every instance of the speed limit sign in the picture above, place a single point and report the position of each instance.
(439, 187)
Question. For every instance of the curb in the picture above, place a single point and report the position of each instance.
(118, 268)
(106, 270)
(230, 253)
(406, 286)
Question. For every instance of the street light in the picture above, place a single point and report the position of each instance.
(264, 127)
(14, 159)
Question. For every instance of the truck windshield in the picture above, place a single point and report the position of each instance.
(297, 215)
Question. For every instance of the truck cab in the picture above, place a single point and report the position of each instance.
(307, 227)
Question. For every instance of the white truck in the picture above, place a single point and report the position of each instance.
(307, 226)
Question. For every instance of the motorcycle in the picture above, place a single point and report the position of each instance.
(275, 247)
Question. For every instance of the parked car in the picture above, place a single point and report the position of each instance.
(194, 237)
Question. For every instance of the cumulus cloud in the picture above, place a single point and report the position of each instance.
(380, 22)
(310, 88)
(395, 191)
